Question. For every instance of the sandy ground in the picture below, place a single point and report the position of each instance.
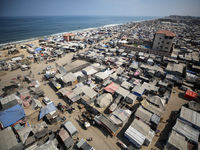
(101, 137)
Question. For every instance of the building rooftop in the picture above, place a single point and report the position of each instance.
(166, 32)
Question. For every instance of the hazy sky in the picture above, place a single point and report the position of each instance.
(99, 7)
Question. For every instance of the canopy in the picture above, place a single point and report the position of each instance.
(12, 115)
(47, 109)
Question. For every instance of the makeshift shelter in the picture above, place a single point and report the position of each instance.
(143, 114)
(157, 101)
(119, 71)
(101, 76)
(50, 108)
(176, 141)
(110, 126)
(126, 85)
(190, 95)
(123, 92)
(186, 130)
(9, 140)
(24, 133)
(190, 116)
(89, 71)
(139, 133)
(149, 87)
(111, 88)
(120, 116)
(12, 115)
(70, 128)
(24, 93)
(104, 100)
(131, 98)
(138, 90)
(65, 137)
(83, 144)
(9, 101)
(69, 79)
(89, 92)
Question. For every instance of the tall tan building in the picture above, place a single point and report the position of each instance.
(163, 40)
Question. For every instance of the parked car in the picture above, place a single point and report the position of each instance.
(46, 100)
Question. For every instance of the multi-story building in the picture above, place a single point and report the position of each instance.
(163, 40)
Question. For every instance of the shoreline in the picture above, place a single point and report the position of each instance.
(73, 31)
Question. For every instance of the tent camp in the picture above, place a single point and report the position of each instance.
(190, 95)
(12, 115)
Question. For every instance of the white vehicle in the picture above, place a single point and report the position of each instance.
(46, 101)
(49, 67)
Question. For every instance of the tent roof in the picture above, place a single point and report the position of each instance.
(104, 100)
(143, 114)
(133, 135)
(112, 87)
(176, 140)
(102, 75)
(126, 85)
(89, 70)
(47, 109)
(8, 139)
(122, 91)
(184, 129)
(12, 115)
(190, 115)
(112, 127)
(70, 77)
(88, 91)
(141, 127)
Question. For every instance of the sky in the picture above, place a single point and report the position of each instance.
(99, 7)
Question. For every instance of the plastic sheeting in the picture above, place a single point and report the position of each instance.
(47, 109)
(12, 115)
(112, 88)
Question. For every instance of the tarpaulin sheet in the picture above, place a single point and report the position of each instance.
(190, 95)
(47, 109)
(112, 88)
(12, 115)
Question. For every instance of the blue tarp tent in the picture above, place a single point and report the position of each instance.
(47, 109)
(38, 49)
(12, 115)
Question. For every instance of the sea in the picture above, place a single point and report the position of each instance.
(22, 29)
